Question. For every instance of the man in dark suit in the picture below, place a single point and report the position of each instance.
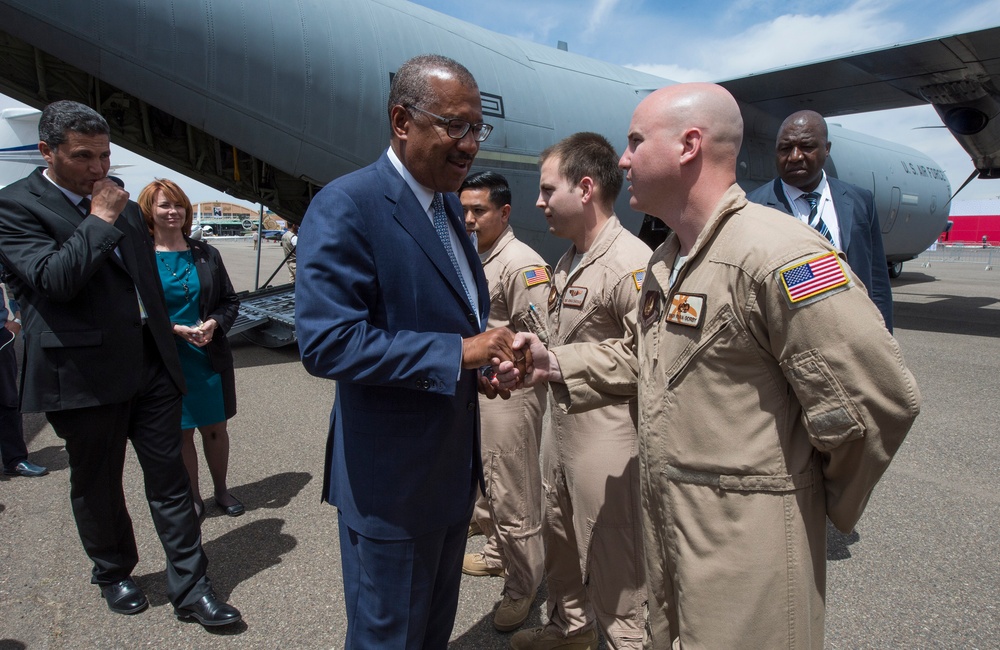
(843, 212)
(390, 301)
(100, 359)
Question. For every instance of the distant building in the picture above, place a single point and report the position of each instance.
(229, 219)
(972, 220)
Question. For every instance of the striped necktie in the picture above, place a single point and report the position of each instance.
(812, 198)
(443, 232)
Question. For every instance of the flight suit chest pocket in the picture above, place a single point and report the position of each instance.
(692, 342)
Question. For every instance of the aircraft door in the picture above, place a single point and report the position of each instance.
(890, 218)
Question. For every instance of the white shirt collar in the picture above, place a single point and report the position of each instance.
(793, 193)
(72, 196)
(424, 195)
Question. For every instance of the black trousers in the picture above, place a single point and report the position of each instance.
(12, 447)
(95, 440)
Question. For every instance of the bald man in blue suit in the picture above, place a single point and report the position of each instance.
(390, 302)
(801, 150)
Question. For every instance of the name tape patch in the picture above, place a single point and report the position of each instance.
(574, 296)
(686, 309)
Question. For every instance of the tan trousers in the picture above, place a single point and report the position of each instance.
(510, 513)
(593, 560)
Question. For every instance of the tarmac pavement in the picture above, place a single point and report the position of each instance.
(922, 570)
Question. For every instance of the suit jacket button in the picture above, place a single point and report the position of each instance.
(471, 406)
(472, 319)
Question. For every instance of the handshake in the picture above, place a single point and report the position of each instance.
(508, 361)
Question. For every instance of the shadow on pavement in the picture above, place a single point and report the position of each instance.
(272, 492)
(837, 542)
(234, 557)
(972, 315)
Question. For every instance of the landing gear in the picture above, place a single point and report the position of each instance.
(895, 269)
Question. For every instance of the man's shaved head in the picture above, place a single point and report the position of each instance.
(708, 107)
(683, 144)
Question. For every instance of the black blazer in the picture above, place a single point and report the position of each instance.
(217, 300)
(860, 235)
(83, 334)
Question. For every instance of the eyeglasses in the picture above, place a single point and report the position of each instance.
(458, 128)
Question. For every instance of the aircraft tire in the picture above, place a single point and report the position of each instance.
(895, 269)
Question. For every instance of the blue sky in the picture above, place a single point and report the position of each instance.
(688, 40)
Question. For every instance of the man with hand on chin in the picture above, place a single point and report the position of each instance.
(100, 359)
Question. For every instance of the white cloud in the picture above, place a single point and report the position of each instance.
(599, 15)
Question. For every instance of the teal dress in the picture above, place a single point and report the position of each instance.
(203, 404)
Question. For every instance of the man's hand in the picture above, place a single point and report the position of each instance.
(543, 366)
(108, 199)
(491, 348)
(491, 388)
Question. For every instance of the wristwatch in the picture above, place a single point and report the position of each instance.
(17, 320)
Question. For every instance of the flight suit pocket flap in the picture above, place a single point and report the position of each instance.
(76, 339)
(831, 416)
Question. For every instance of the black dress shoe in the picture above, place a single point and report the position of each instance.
(234, 510)
(209, 611)
(124, 597)
(24, 468)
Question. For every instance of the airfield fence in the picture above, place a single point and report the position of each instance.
(970, 254)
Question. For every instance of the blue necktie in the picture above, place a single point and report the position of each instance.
(812, 198)
(443, 231)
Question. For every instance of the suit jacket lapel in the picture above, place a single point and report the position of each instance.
(780, 199)
(844, 205)
(413, 218)
(53, 198)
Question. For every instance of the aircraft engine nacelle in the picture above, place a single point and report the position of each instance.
(969, 109)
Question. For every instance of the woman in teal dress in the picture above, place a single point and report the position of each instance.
(202, 306)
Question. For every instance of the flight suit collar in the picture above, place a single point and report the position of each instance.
(506, 237)
(662, 263)
(609, 233)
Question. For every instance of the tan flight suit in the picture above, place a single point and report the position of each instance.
(758, 418)
(593, 557)
(510, 513)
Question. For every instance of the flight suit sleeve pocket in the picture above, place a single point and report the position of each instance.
(831, 416)
(75, 339)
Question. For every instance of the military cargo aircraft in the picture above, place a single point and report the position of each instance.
(270, 100)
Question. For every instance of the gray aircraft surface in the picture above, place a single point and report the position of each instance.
(270, 100)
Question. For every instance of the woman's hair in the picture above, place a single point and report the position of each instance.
(173, 193)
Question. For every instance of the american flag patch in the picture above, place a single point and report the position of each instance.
(537, 275)
(638, 277)
(813, 277)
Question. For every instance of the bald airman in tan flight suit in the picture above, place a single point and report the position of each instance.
(593, 557)
(771, 395)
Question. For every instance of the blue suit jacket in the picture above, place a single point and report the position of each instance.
(380, 309)
(860, 235)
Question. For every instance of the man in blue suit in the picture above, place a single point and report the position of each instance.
(390, 303)
(843, 212)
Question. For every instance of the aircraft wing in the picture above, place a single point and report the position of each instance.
(959, 75)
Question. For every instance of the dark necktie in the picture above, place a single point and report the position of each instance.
(812, 198)
(441, 226)
(84, 205)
